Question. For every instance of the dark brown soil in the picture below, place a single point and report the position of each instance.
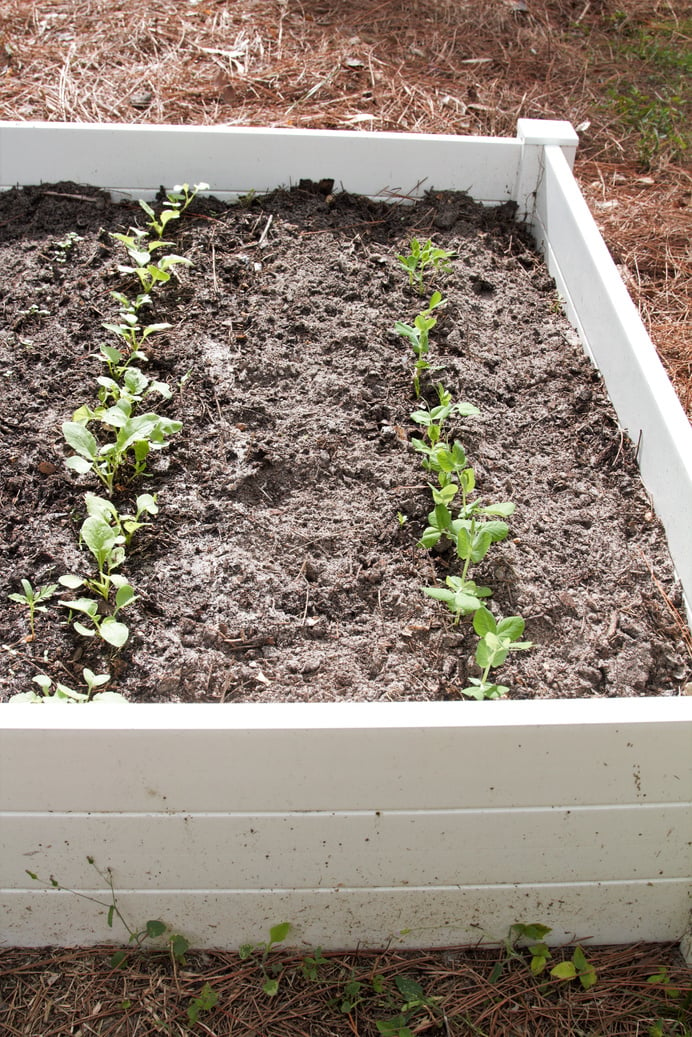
(277, 568)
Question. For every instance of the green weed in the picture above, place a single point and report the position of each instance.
(31, 597)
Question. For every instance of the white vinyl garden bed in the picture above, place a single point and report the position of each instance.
(357, 822)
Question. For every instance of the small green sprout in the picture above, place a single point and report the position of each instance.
(63, 693)
(497, 640)
(178, 200)
(204, 1002)
(277, 934)
(420, 257)
(32, 598)
(122, 524)
(61, 249)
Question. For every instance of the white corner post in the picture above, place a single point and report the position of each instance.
(534, 135)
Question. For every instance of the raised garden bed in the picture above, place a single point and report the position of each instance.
(394, 803)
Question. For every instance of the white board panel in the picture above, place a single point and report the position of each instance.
(433, 848)
(346, 756)
(342, 918)
(600, 306)
(236, 160)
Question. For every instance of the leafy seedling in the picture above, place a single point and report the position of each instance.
(497, 640)
(178, 200)
(578, 967)
(461, 596)
(108, 628)
(418, 336)
(433, 420)
(154, 929)
(135, 437)
(63, 693)
(204, 1002)
(32, 597)
(415, 1003)
(123, 525)
(61, 249)
(277, 935)
(311, 963)
(422, 256)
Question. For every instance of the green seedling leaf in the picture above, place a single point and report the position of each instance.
(155, 928)
(84, 631)
(270, 987)
(484, 621)
(278, 933)
(113, 632)
(80, 439)
(565, 970)
(179, 948)
(86, 605)
(204, 1002)
(409, 989)
(511, 627)
(125, 595)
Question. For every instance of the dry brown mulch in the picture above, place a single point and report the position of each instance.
(78, 993)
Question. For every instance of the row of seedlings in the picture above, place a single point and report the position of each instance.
(126, 433)
(459, 515)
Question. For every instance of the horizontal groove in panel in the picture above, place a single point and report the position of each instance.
(362, 849)
(345, 769)
(640, 808)
(598, 913)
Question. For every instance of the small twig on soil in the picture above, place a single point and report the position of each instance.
(675, 613)
(213, 268)
(75, 197)
(264, 233)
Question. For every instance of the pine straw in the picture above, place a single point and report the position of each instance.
(77, 993)
(440, 66)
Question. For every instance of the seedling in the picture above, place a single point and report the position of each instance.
(108, 628)
(134, 335)
(531, 937)
(277, 934)
(152, 930)
(134, 388)
(32, 598)
(148, 272)
(61, 249)
(311, 963)
(461, 596)
(136, 437)
(107, 546)
(497, 640)
(123, 525)
(63, 693)
(433, 420)
(204, 1002)
(178, 199)
(420, 257)
(418, 336)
